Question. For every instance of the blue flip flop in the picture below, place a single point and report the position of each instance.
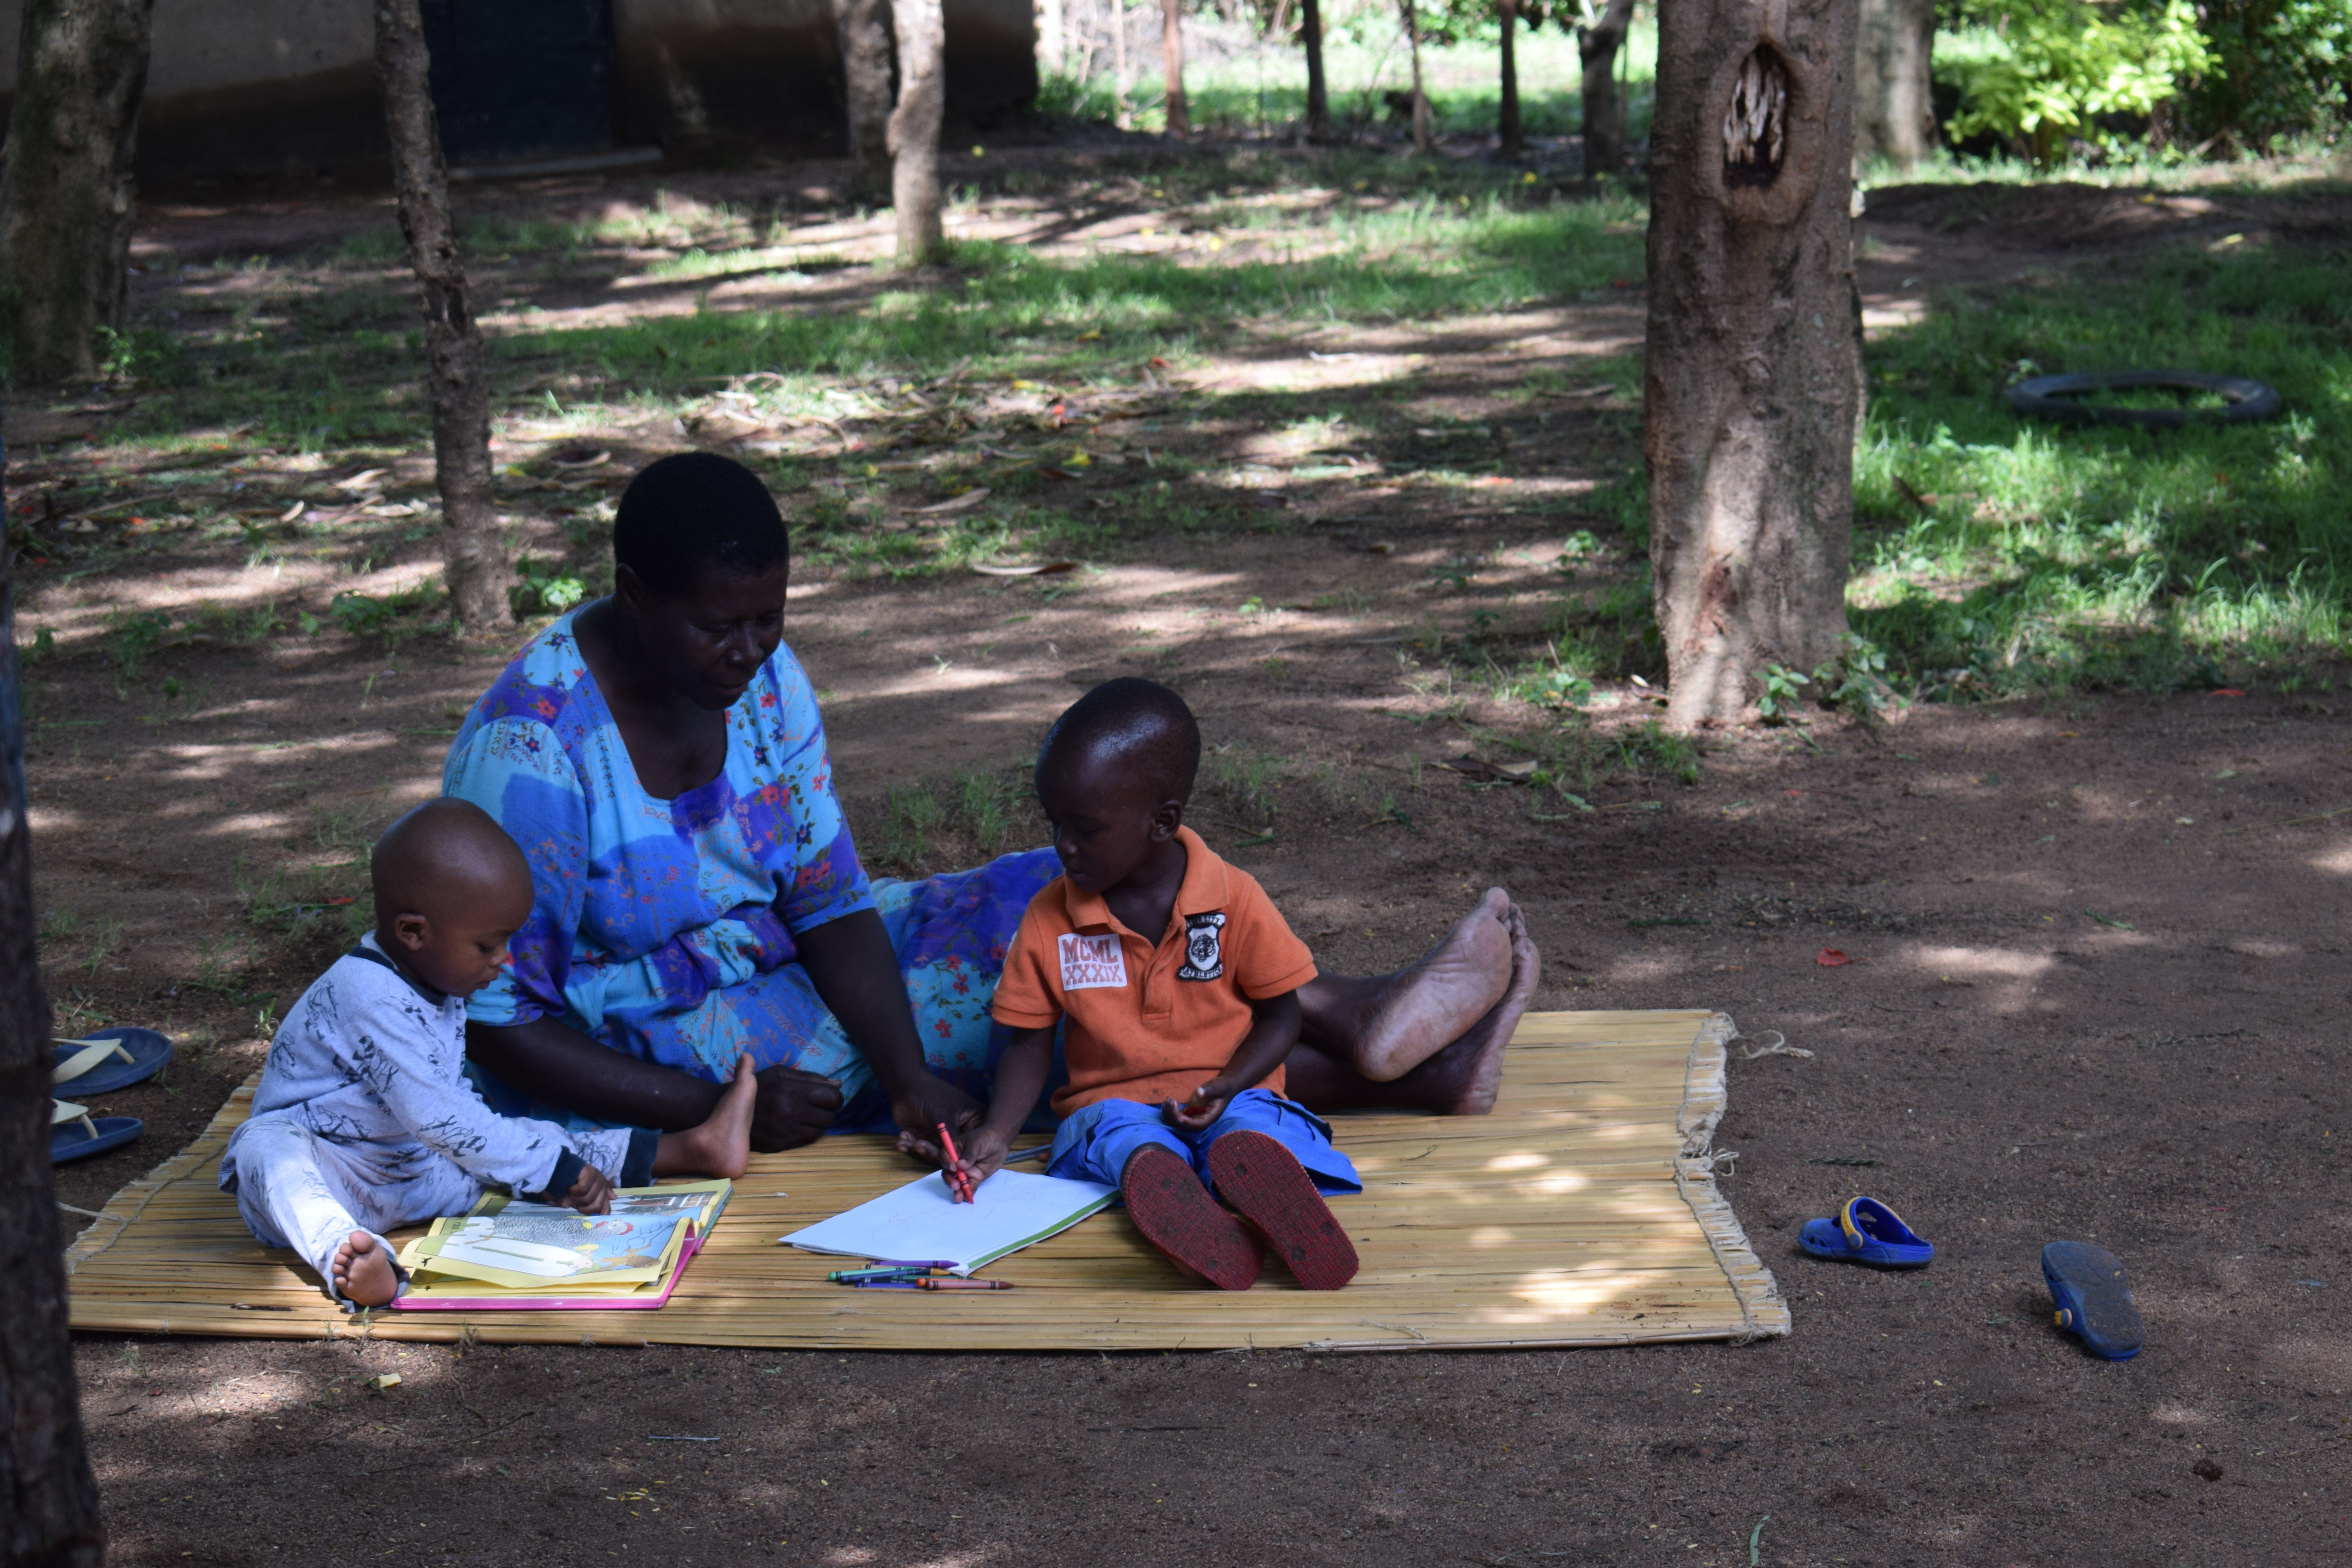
(1866, 1231)
(2093, 1297)
(75, 1134)
(107, 1059)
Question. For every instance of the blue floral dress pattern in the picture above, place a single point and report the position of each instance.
(664, 929)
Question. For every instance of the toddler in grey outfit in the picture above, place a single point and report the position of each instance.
(364, 1121)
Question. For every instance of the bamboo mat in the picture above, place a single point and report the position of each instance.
(1582, 1211)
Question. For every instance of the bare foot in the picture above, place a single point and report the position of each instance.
(1432, 1003)
(1462, 1079)
(720, 1146)
(363, 1272)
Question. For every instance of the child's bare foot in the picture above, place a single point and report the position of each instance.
(1442, 995)
(363, 1272)
(720, 1146)
(1463, 1079)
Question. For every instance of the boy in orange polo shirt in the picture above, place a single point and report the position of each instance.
(1176, 1037)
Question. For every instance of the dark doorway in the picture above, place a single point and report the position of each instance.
(513, 79)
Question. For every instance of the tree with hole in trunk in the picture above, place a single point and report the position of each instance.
(1752, 386)
(1411, 12)
(473, 558)
(863, 30)
(915, 129)
(65, 195)
(48, 1499)
(1600, 35)
(1894, 93)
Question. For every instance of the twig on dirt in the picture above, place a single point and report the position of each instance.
(1772, 1044)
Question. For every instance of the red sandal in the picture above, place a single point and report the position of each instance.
(1264, 1180)
(1176, 1215)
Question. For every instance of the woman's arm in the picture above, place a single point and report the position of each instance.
(855, 969)
(549, 1061)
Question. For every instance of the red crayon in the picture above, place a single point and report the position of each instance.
(963, 1284)
(962, 1183)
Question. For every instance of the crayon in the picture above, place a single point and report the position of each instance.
(851, 1275)
(961, 1182)
(884, 1284)
(963, 1285)
(914, 1263)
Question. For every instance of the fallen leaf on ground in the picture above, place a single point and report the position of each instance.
(969, 499)
(1044, 569)
(1831, 958)
(388, 1379)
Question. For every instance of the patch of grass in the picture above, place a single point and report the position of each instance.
(2000, 555)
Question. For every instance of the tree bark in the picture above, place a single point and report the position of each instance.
(473, 558)
(1052, 46)
(1172, 53)
(1420, 100)
(1752, 383)
(48, 1499)
(864, 28)
(915, 129)
(1894, 92)
(66, 197)
(1604, 105)
(1507, 121)
(1319, 96)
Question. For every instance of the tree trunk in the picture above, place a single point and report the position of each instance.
(48, 1499)
(1507, 121)
(1604, 105)
(864, 26)
(1318, 96)
(1752, 383)
(1894, 93)
(1171, 52)
(915, 129)
(66, 197)
(1118, 62)
(1052, 46)
(473, 558)
(1420, 100)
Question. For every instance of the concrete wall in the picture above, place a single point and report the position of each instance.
(257, 86)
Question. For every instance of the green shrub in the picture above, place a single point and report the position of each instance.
(2070, 61)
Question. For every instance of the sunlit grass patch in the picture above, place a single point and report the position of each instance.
(2008, 554)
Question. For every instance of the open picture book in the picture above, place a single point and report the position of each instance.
(508, 1254)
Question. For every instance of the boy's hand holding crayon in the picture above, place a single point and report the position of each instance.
(966, 1164)
(592, 1192)
(1206, 1104)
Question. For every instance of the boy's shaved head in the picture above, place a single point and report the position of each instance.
(439, 859)
(1140, 724)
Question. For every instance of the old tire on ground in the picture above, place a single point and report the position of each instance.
(2053, 397)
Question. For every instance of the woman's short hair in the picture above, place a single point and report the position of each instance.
(695, 510)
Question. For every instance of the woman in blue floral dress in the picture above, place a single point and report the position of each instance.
(659, 756)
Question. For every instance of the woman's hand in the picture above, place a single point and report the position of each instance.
(794, 1107)
(981, 1151)
(923, 1104)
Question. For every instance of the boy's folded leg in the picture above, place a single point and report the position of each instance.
(1307, 1135)
(1262, 1178)
(1094, 1143)
(1175, 1213)
(299, 1191)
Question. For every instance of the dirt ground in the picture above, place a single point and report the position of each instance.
(2095, 995)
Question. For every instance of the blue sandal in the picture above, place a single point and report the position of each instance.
(1866, 1231)
(2093, 1297)
(108, 1060)
(73, 1132)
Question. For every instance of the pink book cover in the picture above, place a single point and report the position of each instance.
(503, 1304)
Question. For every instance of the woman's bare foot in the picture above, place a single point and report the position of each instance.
(1430, 1003)
(1463, 1079)
(363, 1272)
(720, 1146)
